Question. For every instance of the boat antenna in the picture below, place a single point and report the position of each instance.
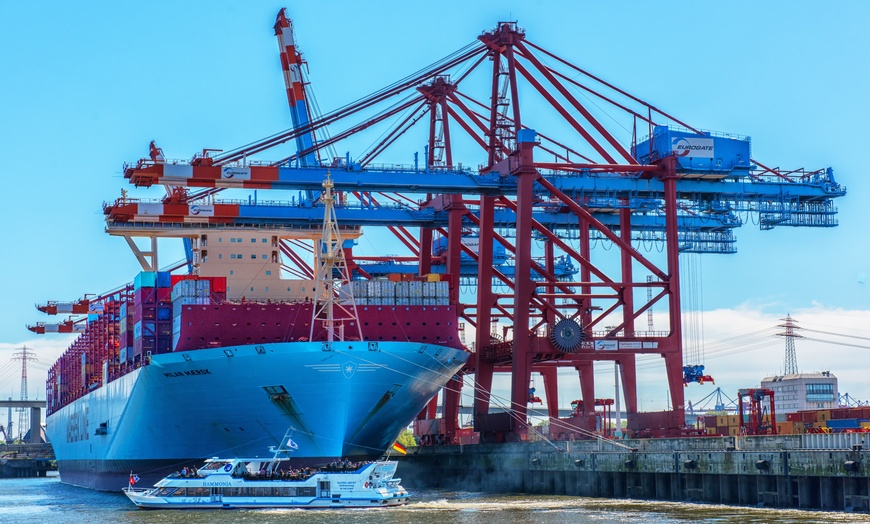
(334, 306)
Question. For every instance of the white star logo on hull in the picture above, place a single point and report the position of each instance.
(348, 369)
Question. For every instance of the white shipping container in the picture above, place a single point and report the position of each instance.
(416, 301)
(176, 329)
(402, 289)
(415, 289)
(442, 289)
(428, 301)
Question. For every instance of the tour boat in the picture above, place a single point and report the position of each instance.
(272, 483)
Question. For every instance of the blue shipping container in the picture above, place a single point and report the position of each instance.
(163, 279)
(843, 423)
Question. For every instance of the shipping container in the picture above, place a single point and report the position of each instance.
(785, 428)
(219, 284)
(145, 279)
(164, 295)
(176, 325)
(164, 344)
(841, 413)
(145, 295)
(164, 313)
(163, 279)
(844, 423)
(822, 415)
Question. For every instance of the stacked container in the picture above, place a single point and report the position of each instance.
(152, 315)
(189, 290)
(430, 292)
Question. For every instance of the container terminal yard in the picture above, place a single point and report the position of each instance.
(522, 229)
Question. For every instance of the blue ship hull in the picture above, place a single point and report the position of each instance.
(345, 399)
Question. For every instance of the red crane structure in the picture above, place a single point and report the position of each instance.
(756, 421)
(551, 183)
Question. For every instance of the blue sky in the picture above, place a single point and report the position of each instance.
(87, 86)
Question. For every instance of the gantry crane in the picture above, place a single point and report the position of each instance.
(540, 195)
(756, 420)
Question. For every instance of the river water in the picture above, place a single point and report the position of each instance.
(46, 500)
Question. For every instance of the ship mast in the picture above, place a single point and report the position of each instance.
(334, 306)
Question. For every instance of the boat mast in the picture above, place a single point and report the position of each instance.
(334, 306)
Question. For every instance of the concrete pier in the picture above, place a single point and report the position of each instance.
(796, 471)
(26, 460)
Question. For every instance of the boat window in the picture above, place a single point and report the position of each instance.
(165, 492)
(306, 491)
(180, 492)
(324, 488)
(213, 466)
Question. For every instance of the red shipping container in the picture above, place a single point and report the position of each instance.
(164, 294)
(144, 313)
(841, 413)
(144, 295)
(219, 284)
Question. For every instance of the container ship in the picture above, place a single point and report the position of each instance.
(173, 369)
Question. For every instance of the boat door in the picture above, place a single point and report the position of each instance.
(217, 494)
(325, 491)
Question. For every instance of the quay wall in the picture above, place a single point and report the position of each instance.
(825, 472)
